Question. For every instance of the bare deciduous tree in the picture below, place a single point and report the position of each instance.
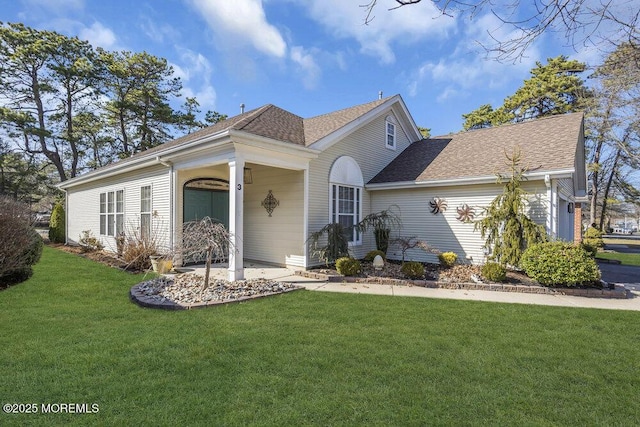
(583, 22)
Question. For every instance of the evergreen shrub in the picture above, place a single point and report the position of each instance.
(448, 259)
(593, 239)
(413, 270)
(57, 224)
(372, 254)
(560, 264)
(348, 266)
(494, 272)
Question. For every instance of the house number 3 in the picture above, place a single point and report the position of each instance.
(239, 186)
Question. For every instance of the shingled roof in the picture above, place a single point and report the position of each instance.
(273, 122)
(547, 144)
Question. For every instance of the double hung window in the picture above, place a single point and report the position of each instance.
(111, 213)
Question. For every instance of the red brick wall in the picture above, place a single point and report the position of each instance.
(577, 223)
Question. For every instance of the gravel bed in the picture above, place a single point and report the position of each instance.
(188, 288)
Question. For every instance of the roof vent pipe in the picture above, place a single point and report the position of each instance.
(242, 108)
(380, 95)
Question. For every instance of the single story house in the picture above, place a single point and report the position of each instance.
(273, 178)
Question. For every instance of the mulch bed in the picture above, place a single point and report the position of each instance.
(103, 257)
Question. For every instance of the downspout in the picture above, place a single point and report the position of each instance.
(171, 201)
(66, 217)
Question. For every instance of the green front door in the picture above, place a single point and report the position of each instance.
(199, 203)
(205, 197)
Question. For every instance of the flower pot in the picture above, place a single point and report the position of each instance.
(160, 265)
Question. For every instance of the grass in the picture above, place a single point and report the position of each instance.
(69, 334)
(624, 258)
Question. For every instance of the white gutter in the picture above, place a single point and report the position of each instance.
(143, 160)
(489, 179)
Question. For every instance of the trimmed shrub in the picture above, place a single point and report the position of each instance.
(494, 272)
(413, 270)
(592, 249)
(33, 252)
(592, 239)
(20, 244)
(56, 225)
(348, 266)
(372, 254)
(560, 264)
(448, 259)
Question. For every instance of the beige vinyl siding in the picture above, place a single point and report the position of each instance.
(367, 146)
(444, 231)
(84, 205)
(273, 239)
(266, 239)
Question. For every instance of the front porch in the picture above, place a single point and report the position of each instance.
(261, 198)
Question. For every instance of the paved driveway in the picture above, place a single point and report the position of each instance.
(621, 274)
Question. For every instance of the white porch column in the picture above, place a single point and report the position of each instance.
(305, 214)
(236, 218)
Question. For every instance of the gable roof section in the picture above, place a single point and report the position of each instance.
(547, 144)
(316, 128)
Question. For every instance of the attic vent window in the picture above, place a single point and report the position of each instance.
(391, 134)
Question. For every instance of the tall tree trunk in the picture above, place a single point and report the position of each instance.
(607, 188)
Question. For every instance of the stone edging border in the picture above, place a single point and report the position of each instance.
(136, 296)
(620, 292)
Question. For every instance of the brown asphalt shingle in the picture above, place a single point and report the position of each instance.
(545, 144)
(316, 128)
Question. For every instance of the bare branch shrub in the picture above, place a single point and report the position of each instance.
(20, 245)
(138, 246)
(205, 239)
(89, 243)
(406, 243)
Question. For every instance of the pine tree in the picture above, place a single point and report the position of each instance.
(505, 226)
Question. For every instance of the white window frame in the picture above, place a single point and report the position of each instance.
(111, 208)
(354, 211)
(390, 133)
(346, 176)
(145, 225)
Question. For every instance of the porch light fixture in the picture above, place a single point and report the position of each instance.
(248, 178)
(570, 208)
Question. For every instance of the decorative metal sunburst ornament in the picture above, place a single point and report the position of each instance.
(438, 205)
(270, 203)
(466, 213)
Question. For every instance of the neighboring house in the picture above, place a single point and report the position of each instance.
(273, 178)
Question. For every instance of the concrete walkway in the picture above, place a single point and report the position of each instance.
(253, 271)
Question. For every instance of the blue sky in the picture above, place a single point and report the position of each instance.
(307, 56)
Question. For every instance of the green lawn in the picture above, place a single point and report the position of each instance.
(626, 259)
(70, 335)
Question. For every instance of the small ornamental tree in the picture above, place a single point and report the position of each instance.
(205, 239)
(505, 226)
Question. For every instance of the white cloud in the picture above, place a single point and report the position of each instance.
(307, 65)
(98, 35)
(196, 72)
(468, 69)
(157, 32)
(242, 22)
(387, 27)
